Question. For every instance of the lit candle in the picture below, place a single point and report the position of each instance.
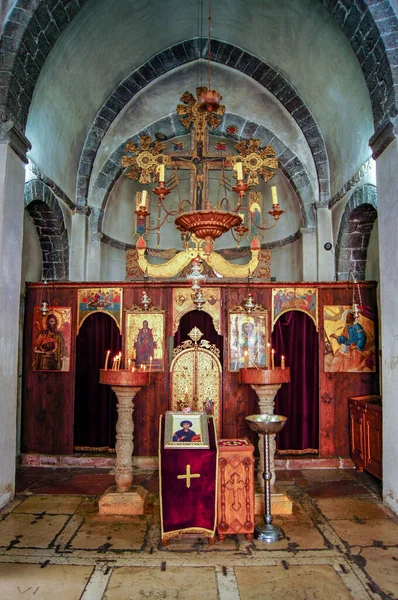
(282, 361)
(129, 363)
(144, 198)
(106, 360)
(239, 170)
(144, 368)
(150, 363)
(133, 369)
(273, 358)
(114, 363)
(274, 195)
(246, 358)
(161, 172)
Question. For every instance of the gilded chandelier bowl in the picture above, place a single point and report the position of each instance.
(207, 224)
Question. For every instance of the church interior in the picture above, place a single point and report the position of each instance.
(198, 343)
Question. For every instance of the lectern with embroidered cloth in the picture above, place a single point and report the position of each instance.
(188, 487)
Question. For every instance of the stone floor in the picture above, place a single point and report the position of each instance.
(341, 542)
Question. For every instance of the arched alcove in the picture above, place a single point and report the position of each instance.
(295, 337)
(95, 404)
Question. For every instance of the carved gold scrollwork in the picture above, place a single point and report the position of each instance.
(196, 377)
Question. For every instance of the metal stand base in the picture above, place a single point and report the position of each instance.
(268, 533)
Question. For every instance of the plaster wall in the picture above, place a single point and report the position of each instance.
(326, 269)
(12, 175)
(113, 264)
(387, 176)
(108, 39)
(287, 262)
(31, 252)
(372, 262)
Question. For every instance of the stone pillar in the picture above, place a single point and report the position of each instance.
(13, 148)
(94, 246)
(78, 243)
(385, 150)
(125, 499)
(326, 268)
(309, 254)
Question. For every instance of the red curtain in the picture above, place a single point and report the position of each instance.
(95, 404)
(295, 337)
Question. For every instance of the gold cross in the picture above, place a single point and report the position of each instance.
(188, 476)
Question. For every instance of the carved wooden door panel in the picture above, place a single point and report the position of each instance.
(196, 380)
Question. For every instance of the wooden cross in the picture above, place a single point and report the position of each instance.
(235, 488)
(199, 160)
(188, 476)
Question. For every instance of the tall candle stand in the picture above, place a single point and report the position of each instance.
(266, 425)
(124, 498)
(266, 383)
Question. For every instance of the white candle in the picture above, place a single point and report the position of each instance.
(161, 172)
(106, 360)
(246, 358)
(144, 198)
(282, 361)
(150, 363)
(274, 195)
(239, 170)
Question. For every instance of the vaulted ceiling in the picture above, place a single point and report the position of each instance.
(314, 78)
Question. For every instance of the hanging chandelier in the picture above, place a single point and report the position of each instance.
(199, 218)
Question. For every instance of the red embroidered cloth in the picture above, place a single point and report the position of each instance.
(186, 509)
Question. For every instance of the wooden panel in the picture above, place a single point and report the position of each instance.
(374, 441)
(235, 497)
(336, 388)
(48, 398)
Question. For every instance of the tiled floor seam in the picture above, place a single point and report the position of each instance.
(97, 584)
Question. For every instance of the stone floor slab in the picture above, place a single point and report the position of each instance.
(351, 508)
(31, 582)
(52, 504)
(116, 533)
(135, 583)
(382, 566)
(30, 531)
(299, 530)
(367, 533)
(316, 582)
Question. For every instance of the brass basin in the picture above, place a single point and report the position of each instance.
(254, 376)
(266, 423)
(124, 377)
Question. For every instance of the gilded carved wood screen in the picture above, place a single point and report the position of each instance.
(196, 378)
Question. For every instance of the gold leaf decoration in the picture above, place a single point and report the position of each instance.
(142, 165)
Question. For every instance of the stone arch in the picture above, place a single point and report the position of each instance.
(354, 233)
(223, 53)
(33, 28)
(48, 219)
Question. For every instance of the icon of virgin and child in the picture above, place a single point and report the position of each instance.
(147, 347)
